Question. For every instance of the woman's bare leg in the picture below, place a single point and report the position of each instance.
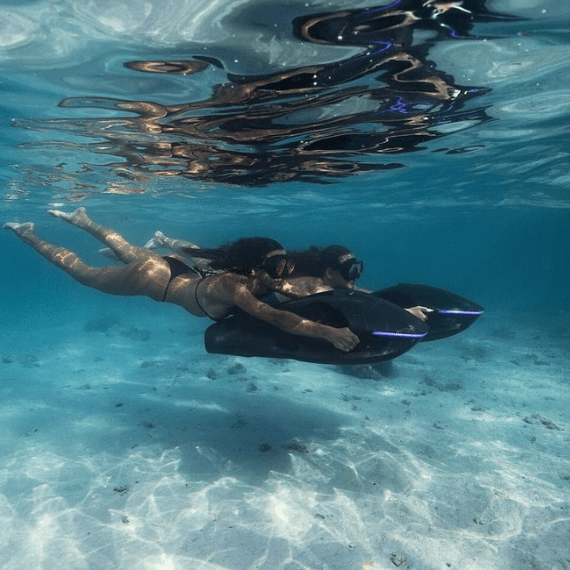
(160, 240)
(147, 277)
(125, 252)
(179, 246)
(157, 241)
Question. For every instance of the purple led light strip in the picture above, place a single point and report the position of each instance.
(451, 312)
(401, 335)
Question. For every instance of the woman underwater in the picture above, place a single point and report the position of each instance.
(238, 274)
(314, 270)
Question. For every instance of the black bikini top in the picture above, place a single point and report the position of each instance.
(230, 311)
(178, 267)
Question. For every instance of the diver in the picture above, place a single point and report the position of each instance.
(238, 274)
(318, 269)
(314, 270)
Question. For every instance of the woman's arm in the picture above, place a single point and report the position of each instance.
(418, 311)
(296, 287)
(341, 338)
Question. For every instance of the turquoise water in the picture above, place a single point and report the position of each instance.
(475, 194)
(431, 138)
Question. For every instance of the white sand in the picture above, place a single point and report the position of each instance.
(124, 453)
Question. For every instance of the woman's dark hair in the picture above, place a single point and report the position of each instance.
(313, 262)
(239, 256)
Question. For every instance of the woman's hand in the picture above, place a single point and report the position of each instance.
(268, 281)
(420, 312)
(343, 339)
(239, 289)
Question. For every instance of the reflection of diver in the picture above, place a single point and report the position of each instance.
(312, 123)
(244, 272)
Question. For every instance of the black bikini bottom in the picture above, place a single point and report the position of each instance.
(177, 268)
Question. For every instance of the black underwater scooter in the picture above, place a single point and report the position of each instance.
(384, 328)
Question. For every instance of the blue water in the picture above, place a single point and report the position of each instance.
(431, 140)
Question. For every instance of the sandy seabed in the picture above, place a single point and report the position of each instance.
(125, 446)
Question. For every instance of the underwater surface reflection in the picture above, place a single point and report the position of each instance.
(312, 123)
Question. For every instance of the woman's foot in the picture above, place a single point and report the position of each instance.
(156, 241)
(108, 252)
(420, 312)
(22, 230)
(77, 218)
